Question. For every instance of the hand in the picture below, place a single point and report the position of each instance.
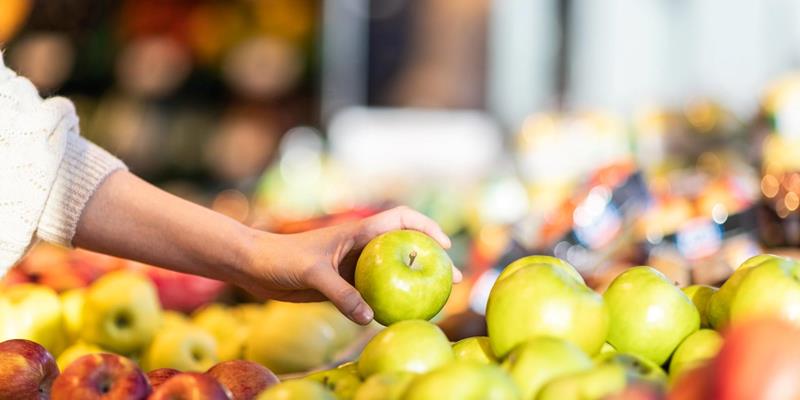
(318, 265)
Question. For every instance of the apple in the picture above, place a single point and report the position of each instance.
(229, 332)
(158, 376)
(537, 361)
(190, 386)
(121, 312)
(544, 300)
(636, 367)
(351, 366)
(384, 386)
(759, 360)
(700, 296)
(72, 311)
(178, 291)
(172, 320)
(697, 348)
(301, 389)
(412, 346)
(345, 330)
(463, 380)
(27, 370)
(404, 275)
(101, 375)
(287, 338)
(185, 348)
(244, 379)
(475, 349)
(74, 352)
(692, 384)
(538, 259)
(607, 348)
(32, 312)
(597, 383)
(650, 317)
(771, 288)
(343, 382)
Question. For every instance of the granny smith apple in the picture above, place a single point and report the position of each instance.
(412, 346)
(700, 346)
(759, 259)
(72, 311)
(384, 386)
(345, 330)
(650, 316)
(121, 312)
(476, 349)
(463, 380)
(636, 367)
(185, 348)
(538, 259)
(75, 351)
(299, 389)
(343, 382)
(229, 332)
(544, 300)
(700, 296)
(34, 313)
(770, 289)
(599, 382)
(537, 361)
(404, 275)
(607, 348)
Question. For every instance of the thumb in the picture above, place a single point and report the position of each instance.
(344, 296)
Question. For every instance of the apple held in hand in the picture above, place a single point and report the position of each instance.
(650, 317)
(32, 312)
(101, 375)
(185, 348)
(384, 386)
(190, 386)
(121, 312)
(404, 275)
(537, 361)
(27, 370)
(544, 300)
(244, 379)
(463, 380)
(412, 346)
(696, 349)
(301, 389)
(477, 349)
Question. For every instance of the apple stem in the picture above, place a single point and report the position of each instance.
(411, 257)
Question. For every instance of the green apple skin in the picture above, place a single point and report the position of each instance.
(548, 260)
(597, 383)
(475, 349)
(385, 386)
(543, 300)
(343, 382)
(299, 389)
(351, 366)
(607, 349)
(700, 296)
(185, 348)
(404, 275)
(345, 331)
(772, 289)
(230, 334)
(537, 361)
(700, 346)
(121, 312)
(636, 367)
(33, 312)
(718, 308)
(74, 352)
(412, 346)
(650, 317)
(463, 380)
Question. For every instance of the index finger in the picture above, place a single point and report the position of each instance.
(401, 218)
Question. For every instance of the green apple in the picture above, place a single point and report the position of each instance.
(607, 348)
(34, 313)
(599, 382)
(185, 348)
(343, 382)
(384, 386)
(475, 349)
(548, 260)
(299, 389)
(404, 275)
(72, 311)
(351, 366)
(650, 316)
(544, 300)
(700, 295)
(537, 361)
(412, 346)
(718, 308)
(345, 331)
(288, 338)
(463, 380)
(770, 289)
(636, 367)
(700, 346)
(228, 331)
(74, 352)
(121, 312)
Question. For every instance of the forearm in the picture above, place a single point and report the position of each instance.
(129, 218)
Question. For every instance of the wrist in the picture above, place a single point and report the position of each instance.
(248, 250)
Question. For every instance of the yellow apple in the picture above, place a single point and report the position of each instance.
(33, 313)
(72, 308)
(228, 330)
(185, 348)
(72, 353)
(173, 319)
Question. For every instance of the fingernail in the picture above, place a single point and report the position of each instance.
(363, 314)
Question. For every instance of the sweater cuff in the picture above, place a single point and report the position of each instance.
(83, 168)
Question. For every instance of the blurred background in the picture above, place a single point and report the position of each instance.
(609, 133)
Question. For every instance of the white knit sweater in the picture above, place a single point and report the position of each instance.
(47, 171)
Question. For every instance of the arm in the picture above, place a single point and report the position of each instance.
(130, 218)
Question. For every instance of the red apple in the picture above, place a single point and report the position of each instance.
(14, 276)
(27, 370)
(245, 379)
(101, 375)
(159, 376)
(190, 386)
(693, 384)
(760, 360)
(180, 292)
